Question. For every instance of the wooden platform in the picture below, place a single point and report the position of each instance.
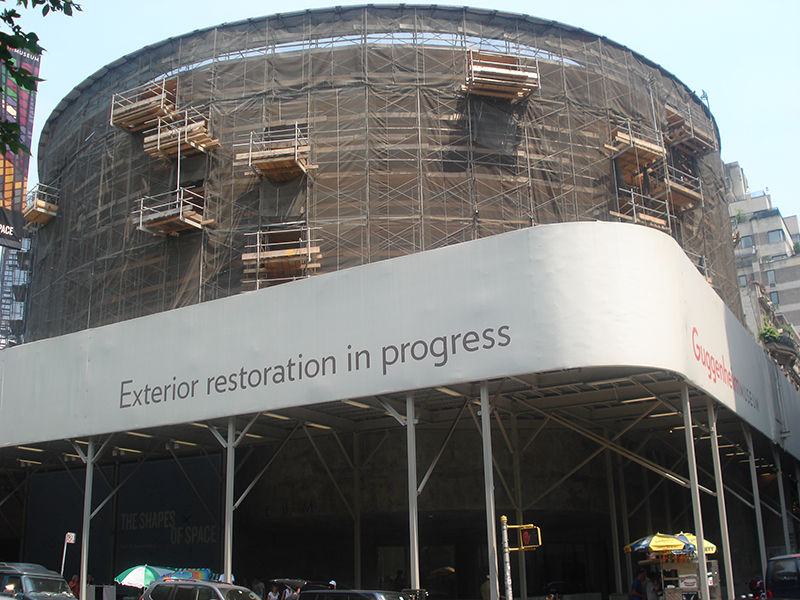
(680, 197)
(39, 211)
(286, 262)
(633, 153)
(277, 164)
(139, 109)
(173, 221)
(684, 135)
(500, 76)
(190, 139)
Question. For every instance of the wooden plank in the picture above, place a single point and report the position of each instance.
(286, 252)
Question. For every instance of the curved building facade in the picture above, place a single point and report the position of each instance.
(258, 152)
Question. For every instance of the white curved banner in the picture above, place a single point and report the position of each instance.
(549, 297)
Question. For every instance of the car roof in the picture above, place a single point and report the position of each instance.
(27, 569)
(198, 582)
(785, 556)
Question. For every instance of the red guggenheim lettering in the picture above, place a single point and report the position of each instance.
(717, 371)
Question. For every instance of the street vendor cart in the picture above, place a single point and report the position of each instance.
(677, 567)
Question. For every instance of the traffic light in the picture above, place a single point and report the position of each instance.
(530, 537)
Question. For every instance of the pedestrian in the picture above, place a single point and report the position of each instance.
(273, 593)
(258, 588)
(74, 586)
(651, 586)
(332, 584)
(486, 589)
(637, 587)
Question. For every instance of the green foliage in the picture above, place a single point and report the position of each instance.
(769, 334)
(740, 216)
(796, 247)
(17, 39)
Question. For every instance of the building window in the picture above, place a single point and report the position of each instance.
(774, 297)
(747, 241)
(742, 280)
(775, 236)
(770, 276)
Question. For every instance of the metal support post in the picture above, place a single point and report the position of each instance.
(723, 515)
(776, 457)
(230, 465)
(413, 515)
(522, 567)
(612, 503)
(506, 557)
(748, 436)
(488, 486)
(87, 515)
(695, 490)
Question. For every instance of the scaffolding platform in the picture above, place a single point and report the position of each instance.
(500, 76)
(682, 190)
(683, 134)
(172, 213)
(633, 207)
(635, 150)
(139, 108)
(41, 205)
(281, 252)
(181, 134)
(279, 154)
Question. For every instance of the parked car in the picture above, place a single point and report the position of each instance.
(196, 590)
(352, 595)
(27, 581)
(783, 577)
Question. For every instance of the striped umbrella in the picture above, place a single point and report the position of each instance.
(657, 542)
(691, 538)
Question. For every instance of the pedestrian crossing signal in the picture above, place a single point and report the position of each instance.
(530, 537)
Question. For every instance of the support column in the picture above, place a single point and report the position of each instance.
(357, 510)
(626, 533)
(723, 515)
(413, 515)
(748, 436)
(695, 490)
(230, 465)
(87, 515)
(776, 457)
(488, 485)
(612, 503)
(521, 564)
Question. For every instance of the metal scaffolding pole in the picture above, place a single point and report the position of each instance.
(488, 484)
(413, 515)
(230, 456)
(695, 490)
(776, 457)
(612, 503)
(723, 515)
(748, 436)
(87, 515)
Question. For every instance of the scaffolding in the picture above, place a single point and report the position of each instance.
(280, 252)
(384, 130)
(280, 154)
(41, 205)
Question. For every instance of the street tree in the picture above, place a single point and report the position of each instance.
(16, 39)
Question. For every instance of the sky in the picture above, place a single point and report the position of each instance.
(743, 54)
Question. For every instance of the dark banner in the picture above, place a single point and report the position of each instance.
(11, 224)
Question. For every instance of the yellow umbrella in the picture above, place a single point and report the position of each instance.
(658, 542)
(690, 538)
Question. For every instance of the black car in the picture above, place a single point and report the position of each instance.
(783, 577)
(27, 581)
(196, 590)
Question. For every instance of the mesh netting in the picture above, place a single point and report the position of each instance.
(403, 159)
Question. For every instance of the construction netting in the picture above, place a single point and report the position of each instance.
(396, 153)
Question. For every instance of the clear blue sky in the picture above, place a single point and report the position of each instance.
(744, 54)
